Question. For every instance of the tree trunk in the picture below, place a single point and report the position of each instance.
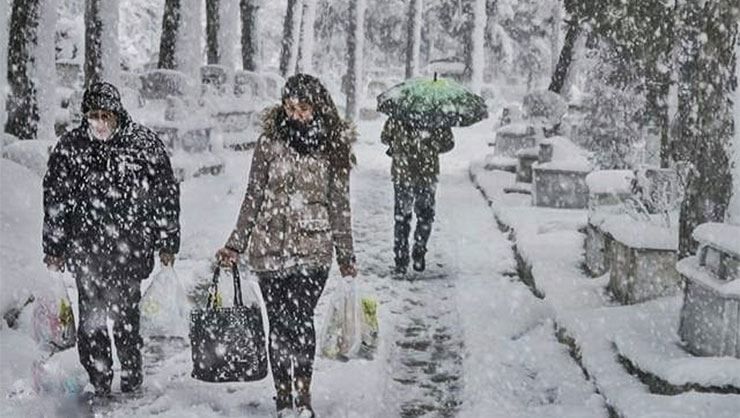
(480, 19)
(168, 41)
(566, 57)
(305, 54)
(212, 30)
(355, 46)
(250, 31)
(291, 27)
(413, 37)
(23, 111)
(102, 57)
(228, 34)
(4, 27)
(705, 121)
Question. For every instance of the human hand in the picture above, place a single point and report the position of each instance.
(54, 263)
(166, 258)
(348, 270)
(227, 257)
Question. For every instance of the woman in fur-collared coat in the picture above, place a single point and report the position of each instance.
(295, 214)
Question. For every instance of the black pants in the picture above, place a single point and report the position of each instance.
(290, 300)
(420, 199)
(103, 296)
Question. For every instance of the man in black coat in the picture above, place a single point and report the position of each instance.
(110, 201)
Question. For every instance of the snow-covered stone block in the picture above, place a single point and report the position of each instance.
(608, 190)
(659, 188)
(596, 245)
(525, 159)
(69, 73)
(515, 137)
(719, 250)
(160, 84)
(249, 84)
(7, 139)
(710, 316)
(215, 78)
(559, 188)
(186, 165)
(32, 154)
(642, 259)
(188, 137)
(273, 85)
(495, 162)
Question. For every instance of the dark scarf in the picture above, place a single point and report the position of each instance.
(307, 138)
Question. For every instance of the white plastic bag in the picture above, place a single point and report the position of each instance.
(341, 336)
(60, 374)
(165, 306)
(53, 319)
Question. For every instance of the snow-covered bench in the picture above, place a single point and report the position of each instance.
(559, 178)
(710, 316)
(642, 258)
(607, 192)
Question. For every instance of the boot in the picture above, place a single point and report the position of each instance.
(303, 399)
(283, 400)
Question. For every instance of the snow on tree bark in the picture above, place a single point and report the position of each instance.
(180, 46)
(102, 52)
(480, 20)
(228, 41)
(733, 214)
(305, 54)
(704, 124)
(170, 25)
(31, 70)
(291, 28)
(213, 23)
(413, 37)
(250, 34)
(355, 47)
(4, 27)
(566, 57)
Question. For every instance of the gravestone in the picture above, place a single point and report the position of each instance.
(710, 315)
(161, 84)
(515, 137)
(69, 74)
(214, 79)
(525, 159)
(273, 86)
(249, 84)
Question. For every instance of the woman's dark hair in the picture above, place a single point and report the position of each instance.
(308, 89)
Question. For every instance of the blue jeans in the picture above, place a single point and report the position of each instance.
(420, 199)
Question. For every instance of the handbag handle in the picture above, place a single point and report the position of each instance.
(238, 301)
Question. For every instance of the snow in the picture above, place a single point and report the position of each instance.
(305, 64)
(32, 155)
(690, 268)
(721, 236)
(566, 156)
(610, 181)
(647, 235)
(110, 53)
(549, 244)
(414, 64)
(733, 211)
(229, 35)
(189, 42)
(4, 29)
(516, 129)
(480, 21)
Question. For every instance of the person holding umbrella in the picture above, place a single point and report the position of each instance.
(422, 112)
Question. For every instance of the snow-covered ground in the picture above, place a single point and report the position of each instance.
(464, 338)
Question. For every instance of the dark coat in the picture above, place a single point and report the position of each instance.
(415, 152)
(110, 204)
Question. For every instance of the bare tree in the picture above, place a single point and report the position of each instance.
(355, 46)
(413, 37)
(5, 25)
(250, 31)
(480, 19)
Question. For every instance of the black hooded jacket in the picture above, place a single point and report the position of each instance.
(110, 204)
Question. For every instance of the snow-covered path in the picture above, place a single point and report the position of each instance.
(464, 338)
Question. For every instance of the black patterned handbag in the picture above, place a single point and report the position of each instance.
(228, 344)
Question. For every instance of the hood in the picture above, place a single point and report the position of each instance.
(104, 96)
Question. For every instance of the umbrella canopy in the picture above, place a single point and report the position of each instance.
(432, 103)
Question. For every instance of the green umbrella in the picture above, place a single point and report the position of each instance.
(432, 103)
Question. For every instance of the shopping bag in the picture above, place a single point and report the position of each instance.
(341, 335)
(165, 306)
(52, 319)
(59, 374)
(228, 343)
(369, 327)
